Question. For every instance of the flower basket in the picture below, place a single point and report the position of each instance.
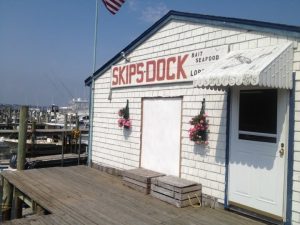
(124, 120)
(199, 132)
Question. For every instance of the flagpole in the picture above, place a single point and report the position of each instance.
(92, 90)
(95, 37)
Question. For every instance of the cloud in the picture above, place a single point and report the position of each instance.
(133, 5)
(154, 12)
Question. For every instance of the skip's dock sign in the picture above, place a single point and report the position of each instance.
(174, 68)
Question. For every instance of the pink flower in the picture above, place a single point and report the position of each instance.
(121, 122)
(127, 123)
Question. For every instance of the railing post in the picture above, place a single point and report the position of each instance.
(76, 138)
(79, 148)
(64, 140)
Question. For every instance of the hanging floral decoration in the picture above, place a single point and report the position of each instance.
(124, 120)
(199, 132)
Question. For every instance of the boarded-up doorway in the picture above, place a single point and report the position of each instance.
(161, 135)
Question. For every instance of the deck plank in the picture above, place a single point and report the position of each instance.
(82, 195)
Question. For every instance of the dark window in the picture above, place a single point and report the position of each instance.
(258, 114)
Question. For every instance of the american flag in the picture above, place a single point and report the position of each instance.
(113, 5)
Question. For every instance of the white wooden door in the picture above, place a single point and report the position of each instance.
(161, 135)
(256, 163)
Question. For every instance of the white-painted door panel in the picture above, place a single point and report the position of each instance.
(256, 169)
(161, 135)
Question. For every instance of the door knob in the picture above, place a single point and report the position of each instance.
(281, 151)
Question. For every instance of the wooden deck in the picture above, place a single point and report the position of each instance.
(81, 195)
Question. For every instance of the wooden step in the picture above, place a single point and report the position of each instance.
(177, 191)
(140, 179)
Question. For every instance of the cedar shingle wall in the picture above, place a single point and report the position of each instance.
(114, 147)
(296, 175)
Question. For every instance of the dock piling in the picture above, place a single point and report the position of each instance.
(9, 115)
(33, 135)
(21, 153)
(22, 138)
(6, 200)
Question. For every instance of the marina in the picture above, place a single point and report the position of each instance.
(47, 150)
(49, 132)
(193, 122)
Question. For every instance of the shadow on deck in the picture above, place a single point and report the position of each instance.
(81, 195)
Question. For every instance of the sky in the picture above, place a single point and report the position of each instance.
(46, 46)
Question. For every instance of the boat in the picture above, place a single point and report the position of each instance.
(76, 108)
(42, 145)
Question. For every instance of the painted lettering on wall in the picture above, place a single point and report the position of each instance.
(174, 68)
(204, 58)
